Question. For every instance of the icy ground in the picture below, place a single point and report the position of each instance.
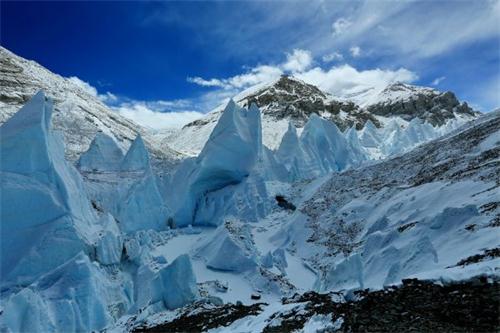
(110, 244)
(375, 226)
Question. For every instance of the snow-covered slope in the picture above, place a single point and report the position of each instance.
(430, 214)
(417, 214)
(77, 114)
(237, 223)
(291, 100)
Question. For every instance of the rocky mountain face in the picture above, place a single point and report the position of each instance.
(409, 102)
(78, 114)
(291, 100)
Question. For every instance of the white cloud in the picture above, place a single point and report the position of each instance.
(346, 80)
(340, 26)
(256, 75)
(206, 83)
(402, 31)
(153, 114)
(396, 27)
(338, 80)
(355, 51)
(85, 86)
(252, 77)
(298, 61)
(108, 98)
(438, 80)
(334, 56)
(143, 114)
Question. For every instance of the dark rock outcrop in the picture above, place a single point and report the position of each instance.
(415, 306)
(427, 104)
(297, 100)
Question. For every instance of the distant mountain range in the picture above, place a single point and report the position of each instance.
(81, 115)
(291, 100)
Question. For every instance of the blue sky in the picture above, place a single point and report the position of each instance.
(189, 56)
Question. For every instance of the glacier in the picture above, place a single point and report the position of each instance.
(321, 148)
(137, 157)
(124, 186)
(44, 205)
(179, 283)
(107, 243)
(103, 155)
(226, 252)
(56, 242)
(227, 159)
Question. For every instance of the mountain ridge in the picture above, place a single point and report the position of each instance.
(78, 114)
(289, 99)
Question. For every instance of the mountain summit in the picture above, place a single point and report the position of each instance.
(289, 99)
(409, 102)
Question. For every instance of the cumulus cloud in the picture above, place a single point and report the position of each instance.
(256, 75)
(144, 114)
(85, 86)
(334, 56)
(298, 61)
(438, 80)
(252, 77)
(340, 26)
(342, 80)
(346, 80)
(206, 83)
(158, 114)
(355, 51)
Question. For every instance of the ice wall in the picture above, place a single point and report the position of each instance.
(103, 155)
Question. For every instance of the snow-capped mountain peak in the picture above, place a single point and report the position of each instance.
(409, 102)
(289, 99)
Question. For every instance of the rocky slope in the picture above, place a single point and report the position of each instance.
(295, 100)
(416, 306)
(291, 100)
(408, 102)
(78, 114)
